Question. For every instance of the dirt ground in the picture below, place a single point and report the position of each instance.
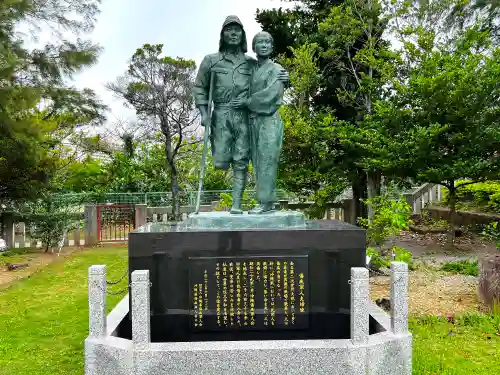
(431, 247)
(431, 291)
(35, 260)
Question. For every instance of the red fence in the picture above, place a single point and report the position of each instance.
(114, 222)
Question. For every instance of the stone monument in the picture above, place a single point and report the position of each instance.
(265, 292)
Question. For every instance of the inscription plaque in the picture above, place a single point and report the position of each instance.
(252, 292)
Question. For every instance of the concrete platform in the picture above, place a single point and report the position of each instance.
(226, 220)
(388, 352)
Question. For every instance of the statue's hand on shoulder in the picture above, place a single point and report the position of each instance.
(284, 76)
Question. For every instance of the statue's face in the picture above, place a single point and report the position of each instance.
(232, 34)
(263, 45)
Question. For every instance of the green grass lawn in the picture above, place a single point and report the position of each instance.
(44, 318)
(44, 321)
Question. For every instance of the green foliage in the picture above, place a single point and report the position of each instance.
(339, 64)
(301, 156)
(377, 260)
(48, 220)
(483, 196)
(403, 255)
(31, 138)
(491, 232)
(226, 201)
(381, 259)
(463, 267)
(390, 218)
(443, 112)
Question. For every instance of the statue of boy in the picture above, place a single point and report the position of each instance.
(232, 70)
(266, 127)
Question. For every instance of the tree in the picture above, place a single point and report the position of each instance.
(296, 27)
(159, 88)
(303, 148)
(31, 79)
(445, 113)
(341, 62)
(357, 51)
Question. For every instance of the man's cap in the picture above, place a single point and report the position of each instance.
(232, 19)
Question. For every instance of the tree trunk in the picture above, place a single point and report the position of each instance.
(176, 207)
(174, 182)
(373, 183)
(358, 209)
(452, 203)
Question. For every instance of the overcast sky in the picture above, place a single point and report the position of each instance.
(186, 28)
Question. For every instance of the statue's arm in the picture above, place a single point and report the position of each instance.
(268, 100)
(202, 86)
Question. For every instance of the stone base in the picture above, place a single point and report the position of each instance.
(383, 353)
(226, 220)
(174, 257)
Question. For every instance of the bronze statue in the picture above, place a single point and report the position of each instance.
(266, 127)
(224, 78)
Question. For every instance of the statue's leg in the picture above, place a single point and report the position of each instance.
(221, 138)
(269, 148)
(254, 141)
(240, 156)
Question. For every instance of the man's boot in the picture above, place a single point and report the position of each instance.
(262, 208)
(239, 183)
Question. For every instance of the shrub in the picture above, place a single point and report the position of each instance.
(389, 218)
(481, 195)
(377, 260)
(463, 267)
(402, 255)
(49, 219)
(397, 253)
(491, 232)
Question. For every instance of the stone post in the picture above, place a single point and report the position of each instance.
(399, 297)
(91, 235)
(141, 313)
(359, 305)
(141, 214)
(97, 301)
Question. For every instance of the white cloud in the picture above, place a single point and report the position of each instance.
(189, 29)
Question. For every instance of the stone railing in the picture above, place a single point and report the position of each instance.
(16, 232)
(386, 349)
(423, 196)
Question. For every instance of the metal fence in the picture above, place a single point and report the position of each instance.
(154, 199)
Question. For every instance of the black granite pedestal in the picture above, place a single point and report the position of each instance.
(258, 284)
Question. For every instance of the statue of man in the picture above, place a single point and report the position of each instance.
(232, 70)
(266, 127)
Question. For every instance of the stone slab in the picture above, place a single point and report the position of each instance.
(226, 220)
